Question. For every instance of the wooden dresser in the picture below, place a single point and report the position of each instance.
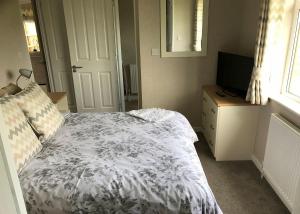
(229, 125)
(60, 99)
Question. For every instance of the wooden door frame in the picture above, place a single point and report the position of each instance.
(40, 22)
(118, 55)
(137, 50)
(119, 51)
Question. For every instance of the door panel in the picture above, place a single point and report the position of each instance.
(91, 39)
(80, 30)
(101, 30)
(55, 35)
(86, 90)
(106, 89)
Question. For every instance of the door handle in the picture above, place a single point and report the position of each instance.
(74, 68)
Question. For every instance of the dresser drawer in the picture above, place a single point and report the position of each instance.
(205, 115)
(212, 121)
(209, 120)
(210, 104)
(211, 112)
(211, 140)
(205, 103)
(205, 97)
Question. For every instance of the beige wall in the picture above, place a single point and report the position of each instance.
(126, 13)
(13, 50)
(248, 26)
(175, 83)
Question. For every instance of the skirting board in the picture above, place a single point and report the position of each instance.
(257, 163)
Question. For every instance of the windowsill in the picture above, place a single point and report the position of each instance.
(287, 102)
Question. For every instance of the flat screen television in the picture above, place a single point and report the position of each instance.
(234, 72)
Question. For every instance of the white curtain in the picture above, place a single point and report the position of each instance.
(198, 23)
(267, 39)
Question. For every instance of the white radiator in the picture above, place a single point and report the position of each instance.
(281, 165)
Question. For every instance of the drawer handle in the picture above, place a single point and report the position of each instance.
(211, 127)
(212, 110)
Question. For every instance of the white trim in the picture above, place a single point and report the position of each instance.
(118, 55)
(289, 64)
(257, 163)
(287, 102)
(163, 41)
(284, 97)
(41, 24)
(137, 48)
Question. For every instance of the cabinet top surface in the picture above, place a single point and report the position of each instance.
(56, 96)
(227, 100)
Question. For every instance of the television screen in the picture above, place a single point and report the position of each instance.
(234, 72)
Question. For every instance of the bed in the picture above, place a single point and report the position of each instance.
(117, 163)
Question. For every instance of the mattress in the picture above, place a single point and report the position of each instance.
(116, 163)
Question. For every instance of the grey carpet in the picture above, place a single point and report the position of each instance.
(131, 105)
(237, 185)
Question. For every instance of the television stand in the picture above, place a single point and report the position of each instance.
(229, 124)
(220, 94)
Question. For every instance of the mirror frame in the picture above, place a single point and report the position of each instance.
(163, 35)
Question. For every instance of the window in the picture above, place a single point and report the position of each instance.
(291, 85)
(30, 28)
(31, 36)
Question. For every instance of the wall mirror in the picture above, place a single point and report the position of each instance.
(184, 28)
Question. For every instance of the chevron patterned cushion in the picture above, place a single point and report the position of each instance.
(39, 109)
(23, 141)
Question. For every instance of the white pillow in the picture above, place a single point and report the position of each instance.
(40, 110)
(23, 141)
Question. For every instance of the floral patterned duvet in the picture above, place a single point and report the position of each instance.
(116, 163)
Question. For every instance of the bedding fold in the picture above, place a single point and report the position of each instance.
(152, 114)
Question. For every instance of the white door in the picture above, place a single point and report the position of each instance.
(92, 45)
(54, 37)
